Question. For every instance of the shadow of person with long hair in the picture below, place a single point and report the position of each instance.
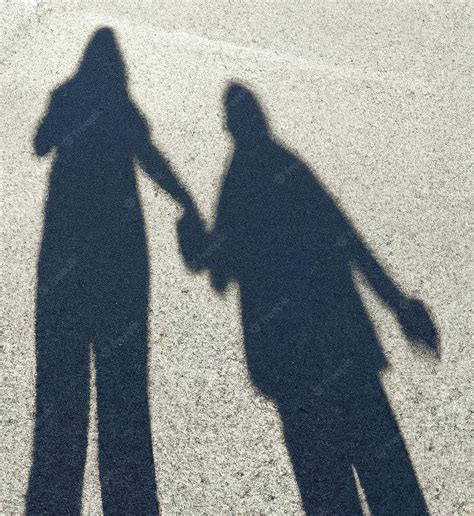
(92, 292)
(310, 345)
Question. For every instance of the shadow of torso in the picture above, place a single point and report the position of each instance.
(93, 219)
(309, 342)
(288, 247)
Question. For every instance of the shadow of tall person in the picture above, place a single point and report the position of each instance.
(310, 345)
(92, 292)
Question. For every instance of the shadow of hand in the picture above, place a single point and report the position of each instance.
(418, 326)
(193, 239)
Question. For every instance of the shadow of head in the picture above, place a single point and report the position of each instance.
(245, 118)
(98, 86)
(103, 60)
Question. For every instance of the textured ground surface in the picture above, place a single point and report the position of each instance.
(374, 98)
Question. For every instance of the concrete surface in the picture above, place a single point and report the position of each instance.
(374, 97)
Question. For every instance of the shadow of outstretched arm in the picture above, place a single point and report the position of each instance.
(412, 314)
(193, 238)
(155, 165)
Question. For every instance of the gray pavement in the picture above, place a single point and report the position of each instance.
(374, 99)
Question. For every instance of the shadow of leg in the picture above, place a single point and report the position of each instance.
(127, 472)
(381, 459)
(322, 469)
(62, 411)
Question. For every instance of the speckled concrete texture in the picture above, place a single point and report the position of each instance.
(374, 98)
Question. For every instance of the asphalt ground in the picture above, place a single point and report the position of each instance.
(367, 105)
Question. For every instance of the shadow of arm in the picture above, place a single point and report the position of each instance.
(46, 137)
(153, 163)
(192, 236)
(412, 314)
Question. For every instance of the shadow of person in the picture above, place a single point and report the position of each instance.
(310, 345)
(92, 291)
